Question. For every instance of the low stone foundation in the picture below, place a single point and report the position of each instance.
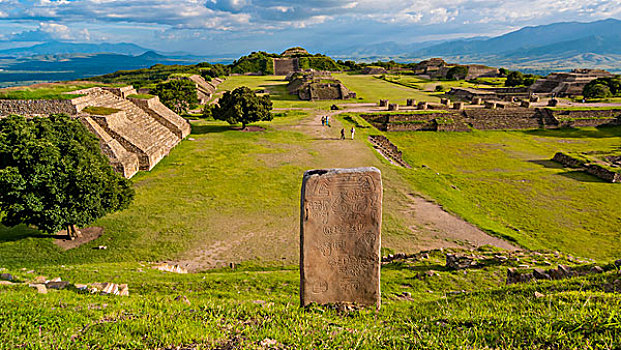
(594, 169)
(386, 148)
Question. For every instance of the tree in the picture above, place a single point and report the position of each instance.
(242, 105)
(54, 176)
(178, 94)
(514, 78)
(613, 85)
(529, 79)
(457, 73)
(503, 72)
(597, 91)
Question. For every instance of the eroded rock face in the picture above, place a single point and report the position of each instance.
(340, 234)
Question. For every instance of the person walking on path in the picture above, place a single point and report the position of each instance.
(343, 134)
(323, 121)
(353, 131)
(328, 121)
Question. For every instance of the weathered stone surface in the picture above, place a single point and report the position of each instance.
(41, 289)
(340, 235)
(57, 285)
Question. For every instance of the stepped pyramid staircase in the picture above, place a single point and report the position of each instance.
(138, 135)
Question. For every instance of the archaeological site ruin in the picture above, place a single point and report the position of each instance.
(134, 132)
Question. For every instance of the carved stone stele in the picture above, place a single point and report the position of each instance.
(340, 236)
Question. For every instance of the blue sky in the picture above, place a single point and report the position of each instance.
(212, 27)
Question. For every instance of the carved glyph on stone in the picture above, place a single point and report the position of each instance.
(340, 236)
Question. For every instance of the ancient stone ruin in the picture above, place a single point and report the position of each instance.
(437, 68)
(134, 133)
(340, 235)
(496, 116)
(315, 85)
(605, 166)
(567, 83)
(387, 149)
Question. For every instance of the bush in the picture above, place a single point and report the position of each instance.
(439, 88)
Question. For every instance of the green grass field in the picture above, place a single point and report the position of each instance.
(259, 309)
(506, 183)
(230, 196)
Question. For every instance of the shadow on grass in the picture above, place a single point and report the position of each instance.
(546, 163)
(19, 232)
(581, 176)
(597, 133)
(209, 129)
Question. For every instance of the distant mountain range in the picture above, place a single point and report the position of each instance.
(540, 49)
(558, 46)
(69, 66)
(63, 48)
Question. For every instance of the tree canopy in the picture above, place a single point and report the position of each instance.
(54, 176)
(516, 78)
(242, 105)
(457, 73)
(177, 94)
(603, 87)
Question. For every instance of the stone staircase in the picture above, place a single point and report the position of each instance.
(132, 127)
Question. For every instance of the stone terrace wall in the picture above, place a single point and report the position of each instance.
(37, 107)
(515, 118)
(593, 118)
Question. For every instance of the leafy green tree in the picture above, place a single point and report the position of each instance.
(457, 73)
(242, 105)
(514, 78)
(54, 176)
(613, 85)
(503, 72)
(208, 111)
(597, 91)
(178, 94)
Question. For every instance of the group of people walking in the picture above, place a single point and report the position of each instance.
(325, 121)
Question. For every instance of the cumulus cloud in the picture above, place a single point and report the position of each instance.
(362, 20)
(245, 14)
(50, 31)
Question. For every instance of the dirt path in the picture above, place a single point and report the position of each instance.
(426, 225)
(437, 228)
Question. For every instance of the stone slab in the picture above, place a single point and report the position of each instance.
(340, 236)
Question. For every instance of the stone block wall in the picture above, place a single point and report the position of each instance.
(510, 118)
(37, 107)
(284, 66)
